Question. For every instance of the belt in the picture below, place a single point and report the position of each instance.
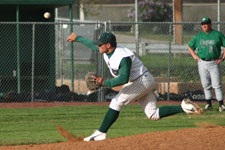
(205, 59)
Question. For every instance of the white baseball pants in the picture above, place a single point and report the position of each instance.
(210, 77)
(142, 90)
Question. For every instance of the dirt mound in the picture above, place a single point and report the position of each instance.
(206, 137)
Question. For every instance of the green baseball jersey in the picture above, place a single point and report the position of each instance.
(208, 45)
(125, 64)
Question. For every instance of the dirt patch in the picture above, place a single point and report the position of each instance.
(67, 135)
(207, 138)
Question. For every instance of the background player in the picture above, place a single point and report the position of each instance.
(208, 56)
(127, 69)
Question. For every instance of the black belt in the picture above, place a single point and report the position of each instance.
(205, 59)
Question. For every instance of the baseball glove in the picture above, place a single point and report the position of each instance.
(91, 81)
(190, 107)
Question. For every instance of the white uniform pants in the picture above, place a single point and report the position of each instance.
(142, 90)
(210, 77)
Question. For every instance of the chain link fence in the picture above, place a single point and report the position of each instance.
(38, 64)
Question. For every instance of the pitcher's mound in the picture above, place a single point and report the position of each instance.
(206, 137)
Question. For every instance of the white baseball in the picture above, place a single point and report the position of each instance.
(47, 15)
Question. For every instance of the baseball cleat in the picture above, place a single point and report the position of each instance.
(208, 107)
(221, 108)
(96, 136)
(190, 107)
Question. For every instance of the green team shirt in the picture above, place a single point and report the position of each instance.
(208, 45)
(124, 69)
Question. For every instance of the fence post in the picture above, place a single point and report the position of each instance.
(71, 49)
(136, 28)
(143, 49)
(18, 49)
(169, 60)
(101, 94)
(32, 63)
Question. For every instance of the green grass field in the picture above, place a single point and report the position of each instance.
(38, 125)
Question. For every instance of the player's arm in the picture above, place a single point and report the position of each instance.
(193, 54)
(124, 74)
(222, 40)
(222, 58)
(191, 47)
(223, 44)
(80, 39)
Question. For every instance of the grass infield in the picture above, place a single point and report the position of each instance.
(39, 125)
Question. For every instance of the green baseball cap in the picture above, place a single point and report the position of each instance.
(206, 20)
(106, 37)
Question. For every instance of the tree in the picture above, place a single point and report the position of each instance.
(86, 7)
(152, 10)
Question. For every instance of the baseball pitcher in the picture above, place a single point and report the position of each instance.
(138, 83)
